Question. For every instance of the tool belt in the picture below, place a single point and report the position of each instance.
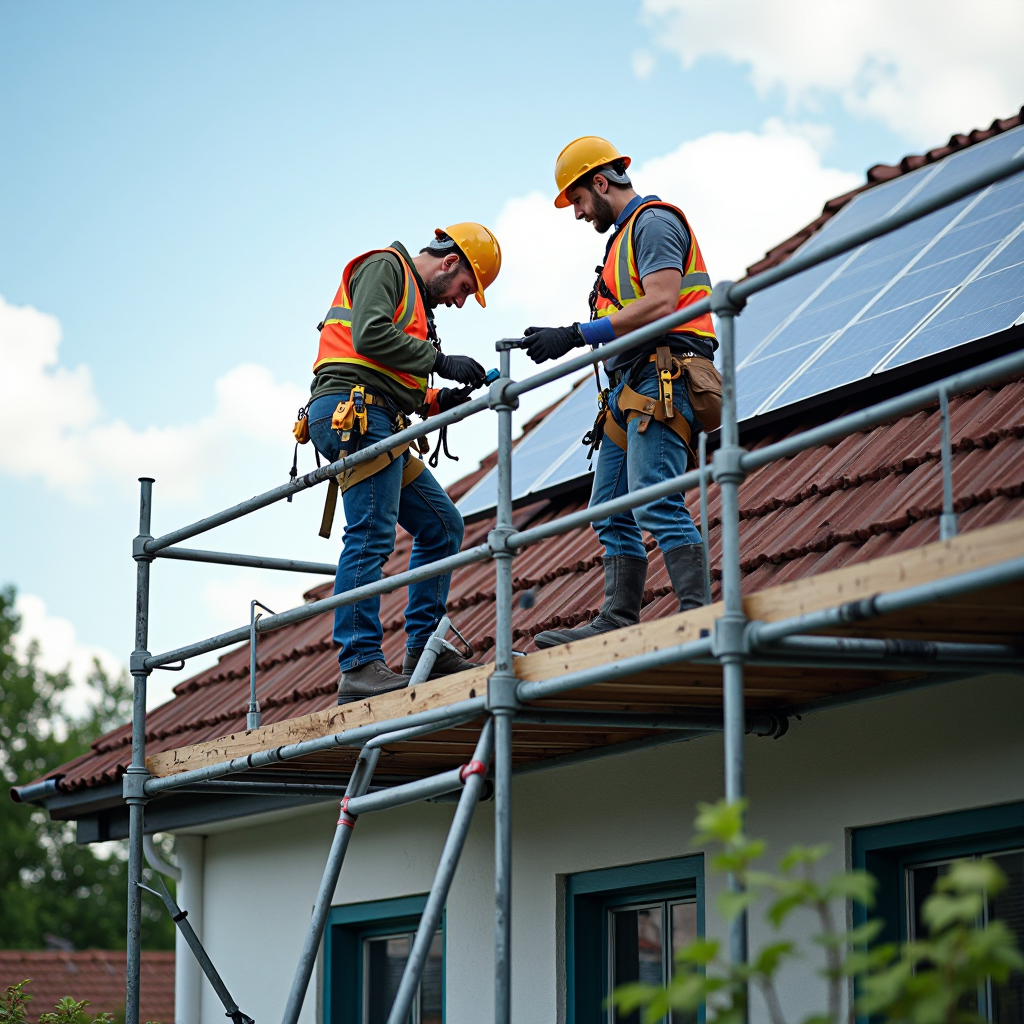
(351, 418)
(703, 387)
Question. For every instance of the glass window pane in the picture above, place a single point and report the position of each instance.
(384, 960)
(431, 987)
(684, 925)
(638, 952)
(683, 918)
(1008, 906)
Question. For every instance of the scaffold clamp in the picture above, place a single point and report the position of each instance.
(473, 768)
(346, 819)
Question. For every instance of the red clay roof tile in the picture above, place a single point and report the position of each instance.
(93, 974)
(869, 494)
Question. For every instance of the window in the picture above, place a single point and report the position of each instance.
(366, 949)
(626, 924)
(908, 858)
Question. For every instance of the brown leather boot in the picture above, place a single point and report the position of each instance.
(448, 661)
(368, 681)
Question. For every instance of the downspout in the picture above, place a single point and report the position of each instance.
(188, 874)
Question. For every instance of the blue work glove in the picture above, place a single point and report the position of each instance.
(551, 342)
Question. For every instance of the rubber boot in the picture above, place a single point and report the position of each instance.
(685, 566)
(624, 580)
(448, 661)
(368, 681)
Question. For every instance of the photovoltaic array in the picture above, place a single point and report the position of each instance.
(950, 278)
(935, 284)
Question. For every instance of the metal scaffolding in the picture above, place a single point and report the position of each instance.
(734, 641)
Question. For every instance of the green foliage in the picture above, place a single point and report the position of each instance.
(67, 1011)
(931, 981)
(12, 1009)
(48, 884)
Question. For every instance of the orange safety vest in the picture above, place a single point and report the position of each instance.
(336, 332)
(621, 279)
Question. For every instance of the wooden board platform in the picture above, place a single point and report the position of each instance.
(993, 615)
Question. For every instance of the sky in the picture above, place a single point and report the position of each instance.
(182, 184)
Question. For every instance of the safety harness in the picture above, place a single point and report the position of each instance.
(350, 419)
(703, 386)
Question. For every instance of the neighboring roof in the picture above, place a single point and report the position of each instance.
(877, 175)
(93, 974)
(873, 493)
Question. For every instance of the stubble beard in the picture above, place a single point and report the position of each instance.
(438, 285)
(603, 214)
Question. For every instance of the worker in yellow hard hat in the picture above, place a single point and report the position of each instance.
(378, 346)
(647, 425)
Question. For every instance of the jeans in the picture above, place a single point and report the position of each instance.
(372, 508)
(651, 457)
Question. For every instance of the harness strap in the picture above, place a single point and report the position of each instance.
(351, 417)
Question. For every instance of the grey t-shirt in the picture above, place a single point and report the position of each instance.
(661, 242)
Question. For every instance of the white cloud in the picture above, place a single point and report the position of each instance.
(74, 446)
(744, 192)
(226, 599)
(60, 648)
(924, 68)
(644, 63)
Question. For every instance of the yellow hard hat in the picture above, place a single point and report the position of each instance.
(580, 156)
(481, 249)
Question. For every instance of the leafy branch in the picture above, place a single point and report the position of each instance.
(929, 981)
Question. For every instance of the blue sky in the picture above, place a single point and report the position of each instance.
(181, 185)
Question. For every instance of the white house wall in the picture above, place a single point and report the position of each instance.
(951, 747)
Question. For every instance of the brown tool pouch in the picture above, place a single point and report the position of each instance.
(704, 386)
(635, 405)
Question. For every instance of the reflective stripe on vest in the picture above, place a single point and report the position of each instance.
(336, 345)
(622, 278)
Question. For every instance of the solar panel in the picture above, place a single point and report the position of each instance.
(942, 281)
(934, 284)
(549, 455)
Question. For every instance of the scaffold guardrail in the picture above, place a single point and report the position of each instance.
(733, 642)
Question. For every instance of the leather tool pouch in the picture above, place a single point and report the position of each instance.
(704, 386)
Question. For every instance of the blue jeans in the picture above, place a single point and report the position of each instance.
(372, 508)
(650, 458)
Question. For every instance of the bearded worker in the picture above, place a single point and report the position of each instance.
(377, 347)
(652, 268)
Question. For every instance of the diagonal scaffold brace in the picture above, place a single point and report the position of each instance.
(357, 801)
(180, 918)
(473, 784)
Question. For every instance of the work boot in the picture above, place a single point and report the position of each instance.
(624, 580)
(685, 566)
(367, 681)
(448, 661)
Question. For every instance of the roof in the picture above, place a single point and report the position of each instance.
(871, 494)
(874, 493)
(877, 175)
(93, 974)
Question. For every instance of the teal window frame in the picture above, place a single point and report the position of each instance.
(887, 850)
(347, 926)
(589, 895)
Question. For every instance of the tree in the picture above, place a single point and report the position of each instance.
(48, 884)
(930, 981)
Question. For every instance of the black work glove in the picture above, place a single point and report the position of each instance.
(460, 368)
(551, 342)
(448, 398)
